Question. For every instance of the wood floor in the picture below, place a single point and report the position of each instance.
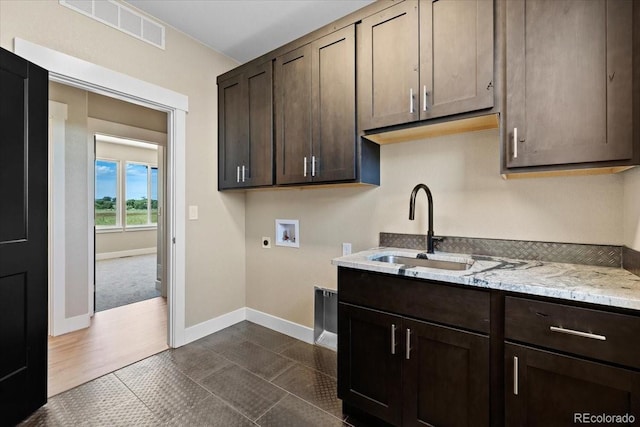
(116, 338)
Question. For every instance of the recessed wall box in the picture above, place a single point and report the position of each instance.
(287, 233)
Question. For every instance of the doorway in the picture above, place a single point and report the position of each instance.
(127, 221)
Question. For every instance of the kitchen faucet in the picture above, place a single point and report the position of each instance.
(412, 211)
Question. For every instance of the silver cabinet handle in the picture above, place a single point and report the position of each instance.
(515, 143)
(411, 100)
(578, 333)
(304, 168)
(408, 350)
(515, 375)
(313, 165)
(424, 98)
(238, 174)
(242, 173)
(393, 339)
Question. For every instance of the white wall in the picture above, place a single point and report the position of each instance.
(215, 267)
(76, 198)
(470, 199)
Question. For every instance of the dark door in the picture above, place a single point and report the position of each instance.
(388, 67)
(232, 132)
(293, 116)
(334, 107)
(456, 57)
(259, 160)
(569, 81)
(549, 389)
(369, 361)
(445, 376)
(23, 237)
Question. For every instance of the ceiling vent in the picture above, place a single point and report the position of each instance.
(119, 16)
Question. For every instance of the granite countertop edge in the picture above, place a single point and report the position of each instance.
(607, 286)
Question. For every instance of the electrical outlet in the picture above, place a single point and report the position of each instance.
(346, 249)
(266, 242)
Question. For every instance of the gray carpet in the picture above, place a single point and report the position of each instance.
(123, 281)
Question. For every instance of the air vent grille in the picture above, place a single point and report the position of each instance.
(121, 17)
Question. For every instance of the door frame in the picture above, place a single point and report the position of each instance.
(84, 75)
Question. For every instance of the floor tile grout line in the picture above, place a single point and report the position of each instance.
(272, 406)
(179, 371)
(300, 397)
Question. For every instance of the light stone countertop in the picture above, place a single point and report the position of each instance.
(614, 287)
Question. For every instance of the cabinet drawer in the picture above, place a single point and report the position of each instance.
(587, 332)
(421, 299)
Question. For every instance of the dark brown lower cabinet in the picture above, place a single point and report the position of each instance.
(549, 389)
(409, 372)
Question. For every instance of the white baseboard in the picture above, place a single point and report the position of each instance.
(130, 252)
(211, 326)
(278, 324)
(71, 324)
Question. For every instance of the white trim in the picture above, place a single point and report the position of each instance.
(127, 253)
(125, 141)
(216, 324)
(98, 79)
(57, 273)
(176, 228)
(85, 75)
(278, 324)
(91, 227)
(274, 323)
(72, 324)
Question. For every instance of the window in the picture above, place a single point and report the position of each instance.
(141, 194)
(106, 207)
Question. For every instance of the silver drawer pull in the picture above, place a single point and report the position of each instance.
(393, 339)
(304, 167)
(424, 98)
(515, 375)
(515, 143)
(408, 349)
(238, 174)
(578, 333)
(411, 110)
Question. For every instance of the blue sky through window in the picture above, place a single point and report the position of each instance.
(136, 181)
(106, 179)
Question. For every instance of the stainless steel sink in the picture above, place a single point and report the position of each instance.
(421, 262)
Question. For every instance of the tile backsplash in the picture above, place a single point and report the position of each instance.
(573, 253)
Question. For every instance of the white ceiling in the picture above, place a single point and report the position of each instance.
(246, 29)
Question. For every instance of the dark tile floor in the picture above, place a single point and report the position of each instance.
(244, 375)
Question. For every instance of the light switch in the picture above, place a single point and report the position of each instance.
(193, 212)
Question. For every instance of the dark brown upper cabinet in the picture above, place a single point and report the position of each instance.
(245, 129)
(423, 60)
(456, 57)
(315, 111)
(571, 85)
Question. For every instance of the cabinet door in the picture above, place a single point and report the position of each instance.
(369, 373)
(388, 67)
(293, 116)
(445, 376)
(456, 57)
(259, 167)
(568, 81)
(334, 110)
(232, 132)
(549, 389)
